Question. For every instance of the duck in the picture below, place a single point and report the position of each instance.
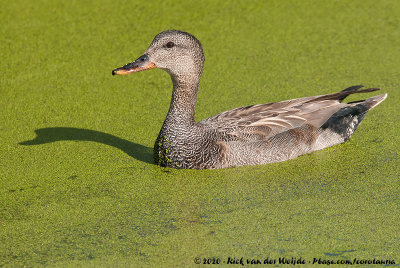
(250, 135)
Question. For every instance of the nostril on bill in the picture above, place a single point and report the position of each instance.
(144, 58)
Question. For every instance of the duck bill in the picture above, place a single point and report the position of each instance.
(141, 64)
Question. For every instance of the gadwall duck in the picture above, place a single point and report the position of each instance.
(251, 135)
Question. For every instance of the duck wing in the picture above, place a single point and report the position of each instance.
(262, 121)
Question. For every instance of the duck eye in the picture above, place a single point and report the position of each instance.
(170, 44)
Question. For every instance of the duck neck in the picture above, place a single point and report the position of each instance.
(183, 102)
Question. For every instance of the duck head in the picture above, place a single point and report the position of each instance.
(179, 53)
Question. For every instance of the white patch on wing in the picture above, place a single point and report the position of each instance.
(286, 122)
(295, 117)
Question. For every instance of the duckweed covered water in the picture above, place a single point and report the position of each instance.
(77, 183)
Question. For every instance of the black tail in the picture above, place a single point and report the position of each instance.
(340, 96)
(352, 90)
(345, 121)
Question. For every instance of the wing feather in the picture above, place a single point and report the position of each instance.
(262, 121)
(265, 120)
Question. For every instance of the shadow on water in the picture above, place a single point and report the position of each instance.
(47, 135)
